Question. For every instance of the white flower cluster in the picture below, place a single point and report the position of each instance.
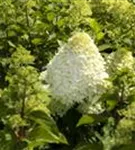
(120, 60)
(76, 72)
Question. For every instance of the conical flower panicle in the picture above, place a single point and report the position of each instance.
(76, 72)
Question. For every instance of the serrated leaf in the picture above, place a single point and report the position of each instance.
(42, 135)
(40, 117)
(45, 131)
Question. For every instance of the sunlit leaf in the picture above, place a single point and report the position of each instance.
(85, 120)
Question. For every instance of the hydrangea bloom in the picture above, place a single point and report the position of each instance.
(76, 72)
(120, 60)
(121, 68)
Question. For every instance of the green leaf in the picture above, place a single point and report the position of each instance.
(104, 47)
(60, 22)
(94, 25)
(50, 16)
(41, 118)
(31, 3)
(7, 141)
(85, 120)
(37, 41)
(11, 44)
(99, 36)
(91, 119)
(111, 104)
(42, 135)
(45, 131)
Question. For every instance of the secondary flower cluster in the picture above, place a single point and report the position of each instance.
(76, 72)
(119, 61)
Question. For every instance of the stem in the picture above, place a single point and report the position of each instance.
(27, 17)
(28, 25)
(21, 132)
(23, 108)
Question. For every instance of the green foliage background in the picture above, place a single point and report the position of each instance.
(30, 34)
